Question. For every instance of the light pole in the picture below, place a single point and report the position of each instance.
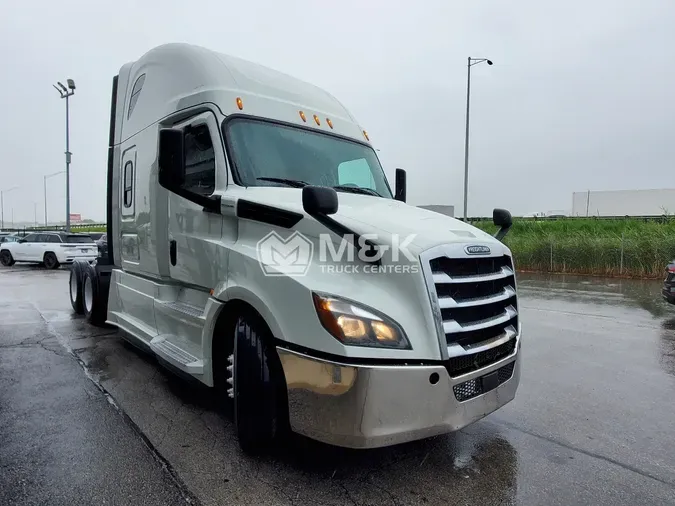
(2, 204)
(66, 93)
(45, 185)
(470, 63)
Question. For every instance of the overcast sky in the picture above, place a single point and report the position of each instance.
(581, 95)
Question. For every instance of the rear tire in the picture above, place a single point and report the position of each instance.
(93, 304)
(6, 258)
(257, 386)
(50, 261)
(75, 288)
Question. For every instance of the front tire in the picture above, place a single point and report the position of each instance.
(50, 260)
(94, 306)
(257, 382)
(6, 258)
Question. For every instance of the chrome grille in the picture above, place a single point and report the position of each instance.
(476, 297)
(469, 267)
(457, 366)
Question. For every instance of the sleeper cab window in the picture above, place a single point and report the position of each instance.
(135, 92)
(200, 161)
(128, 191)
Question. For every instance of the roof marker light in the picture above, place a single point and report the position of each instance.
(240, 104)
(302, 115)
(316, 120)
(330, 123)
(365, 134)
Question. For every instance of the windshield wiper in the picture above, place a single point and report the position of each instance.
(294, 183)
(357, 189)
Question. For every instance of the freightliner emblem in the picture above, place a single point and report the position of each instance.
(477, 250)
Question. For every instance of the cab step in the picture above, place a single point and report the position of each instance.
(163, 346)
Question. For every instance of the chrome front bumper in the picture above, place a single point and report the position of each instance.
(371, 406)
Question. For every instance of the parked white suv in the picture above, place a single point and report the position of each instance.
(49, 248)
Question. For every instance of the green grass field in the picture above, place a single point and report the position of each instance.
(632, 248)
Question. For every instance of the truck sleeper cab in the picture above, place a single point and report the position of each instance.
(255, 244)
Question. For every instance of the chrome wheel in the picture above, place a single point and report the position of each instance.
(230, 376)
(88, 294)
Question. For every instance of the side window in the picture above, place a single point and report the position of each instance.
(54, 238)
(128, 189)
(200, 161)
(135, 92)
(31, 238)
(44, 238)
(356, 172)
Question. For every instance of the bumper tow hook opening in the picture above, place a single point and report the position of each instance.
(433, 379)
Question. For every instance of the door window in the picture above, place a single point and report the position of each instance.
(200, 161)
(31, 238)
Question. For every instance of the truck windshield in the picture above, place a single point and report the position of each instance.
(269, 154)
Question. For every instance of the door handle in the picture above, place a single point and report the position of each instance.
(172, 251)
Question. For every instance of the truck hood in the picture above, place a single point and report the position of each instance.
(373, 215)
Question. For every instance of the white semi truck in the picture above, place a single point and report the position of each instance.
(255, 244)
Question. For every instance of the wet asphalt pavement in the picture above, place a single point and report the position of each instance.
(85, 418)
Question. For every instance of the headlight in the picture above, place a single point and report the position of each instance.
(357, 325)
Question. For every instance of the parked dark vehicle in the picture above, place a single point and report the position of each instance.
(668, 290)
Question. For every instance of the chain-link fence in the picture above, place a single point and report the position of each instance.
(607, 256)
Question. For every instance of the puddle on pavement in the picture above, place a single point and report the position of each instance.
(642, 293)
(410, 470)
(60, 316)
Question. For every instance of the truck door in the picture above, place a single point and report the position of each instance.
(197, 255)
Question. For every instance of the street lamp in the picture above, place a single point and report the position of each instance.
(2, 203)
(45, 186)
(470, 63)
(65, 93)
